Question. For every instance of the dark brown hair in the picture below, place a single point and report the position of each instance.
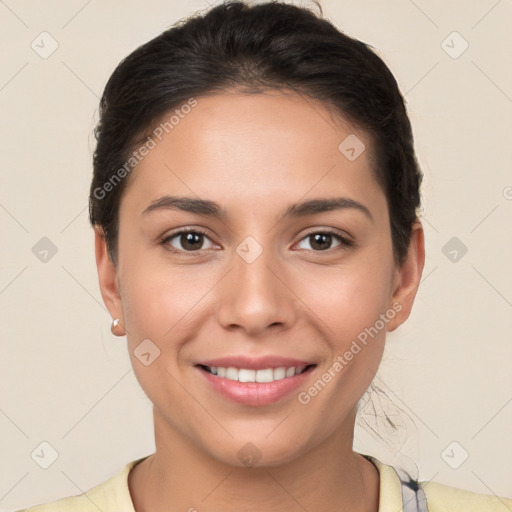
(255, 47)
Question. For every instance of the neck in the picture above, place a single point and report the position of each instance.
(181, 476)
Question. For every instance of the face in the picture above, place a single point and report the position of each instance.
(267, 284)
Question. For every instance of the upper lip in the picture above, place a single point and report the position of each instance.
(255, 363)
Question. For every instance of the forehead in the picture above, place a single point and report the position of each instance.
(254, 147)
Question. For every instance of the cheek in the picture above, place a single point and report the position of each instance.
(146, 299)
(348, 299)
(162, 302)
(156, 306)
(352, 304)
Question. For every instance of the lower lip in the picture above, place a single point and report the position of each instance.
(255, 393)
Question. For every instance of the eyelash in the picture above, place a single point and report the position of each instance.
(345, 243)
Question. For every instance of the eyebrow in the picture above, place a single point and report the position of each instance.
(212, 209)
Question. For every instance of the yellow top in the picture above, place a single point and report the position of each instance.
(113, 495)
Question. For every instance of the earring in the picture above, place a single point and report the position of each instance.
(113, 327)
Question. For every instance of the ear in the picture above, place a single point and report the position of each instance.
(407, 278)
(107, 275)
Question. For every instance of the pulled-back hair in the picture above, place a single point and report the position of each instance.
(255, 48)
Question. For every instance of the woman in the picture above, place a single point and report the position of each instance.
(254, 201)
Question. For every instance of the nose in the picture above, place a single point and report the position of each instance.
(255, 296)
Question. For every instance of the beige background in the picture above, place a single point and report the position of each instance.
(67, 381)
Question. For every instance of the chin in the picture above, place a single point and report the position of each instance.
(257, 452)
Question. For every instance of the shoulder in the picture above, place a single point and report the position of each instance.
(112, 495)
(78, 503)
(394, 489)
(443, 498)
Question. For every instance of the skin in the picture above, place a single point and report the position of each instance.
(255, 155)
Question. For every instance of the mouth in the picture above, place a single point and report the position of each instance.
(254, 387)
(263, 375)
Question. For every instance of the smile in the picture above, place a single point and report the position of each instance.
(250, 375)
(254, 386)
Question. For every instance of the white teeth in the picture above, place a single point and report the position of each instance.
(265, 375)
(231, 373)
(248, 375)
(280, 373)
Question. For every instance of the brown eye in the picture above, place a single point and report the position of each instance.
(323, 240)
(186, 241)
